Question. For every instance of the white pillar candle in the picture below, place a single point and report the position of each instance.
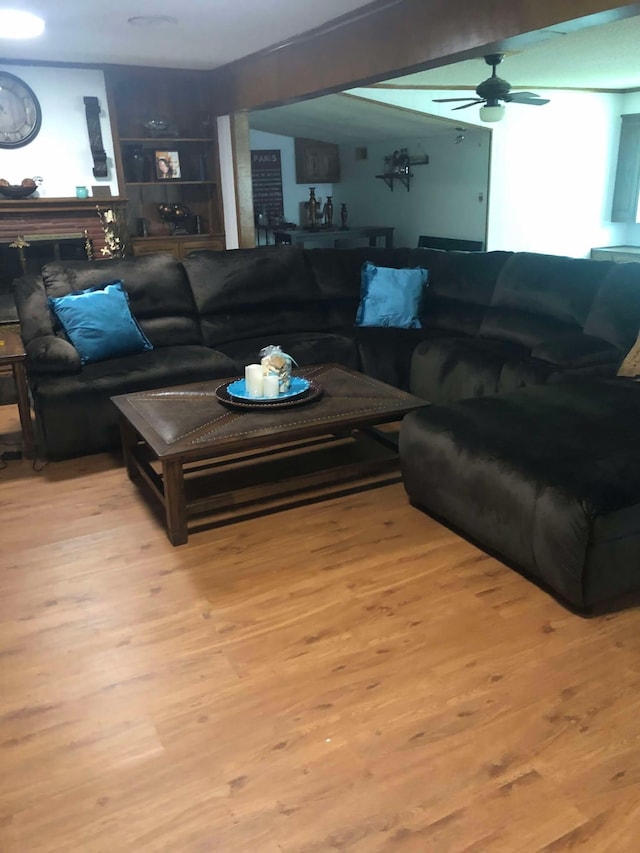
(270, 386)
(253, 380)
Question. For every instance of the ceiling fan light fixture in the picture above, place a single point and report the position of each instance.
(490, 114)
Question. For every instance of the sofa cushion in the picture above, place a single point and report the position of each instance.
(306, 349)
(385, 353)
(570, 350)
(232, 280)
(242, 293)
(540, 295)
(547, 477)
(33, 307)
(615, 312)
(336, 273)
(461, 287)
(99, 322)
(447, 369)
(155, 368)
(75, 414)
(157, 287)
(51, 354)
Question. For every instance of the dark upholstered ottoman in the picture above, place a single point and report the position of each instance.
(548, 477)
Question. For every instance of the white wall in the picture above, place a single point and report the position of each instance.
(446, 197)
(552, 169)
(443, 199)
(552, 176)
(60, 153)
(292, 193)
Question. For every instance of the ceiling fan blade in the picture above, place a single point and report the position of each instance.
(448, 100)
(472, 104)
(526, 98)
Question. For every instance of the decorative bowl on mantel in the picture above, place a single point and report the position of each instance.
(23, 190)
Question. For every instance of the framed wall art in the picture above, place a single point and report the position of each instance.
(316, 162)
(266, 182)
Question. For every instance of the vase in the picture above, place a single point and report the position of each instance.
(344, 215)
(312, 209)
(136, 164)
(328, 212)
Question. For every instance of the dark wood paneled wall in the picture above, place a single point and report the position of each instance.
(395, 38)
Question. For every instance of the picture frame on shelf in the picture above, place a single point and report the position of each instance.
(167, 165)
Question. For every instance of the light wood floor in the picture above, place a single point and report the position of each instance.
(344, 677)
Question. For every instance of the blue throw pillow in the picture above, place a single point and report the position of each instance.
(99, 323)
(391, 297)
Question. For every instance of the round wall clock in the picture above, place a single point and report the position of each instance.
(20, 113)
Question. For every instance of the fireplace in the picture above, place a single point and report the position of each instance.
(36, 231)
(28, 253)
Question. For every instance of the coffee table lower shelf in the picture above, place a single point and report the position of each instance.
(237, 486)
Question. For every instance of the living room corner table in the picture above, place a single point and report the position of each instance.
(12, 356)
(199, 456)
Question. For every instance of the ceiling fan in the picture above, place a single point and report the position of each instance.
(493, 90)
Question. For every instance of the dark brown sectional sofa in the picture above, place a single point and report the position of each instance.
(517, 354)
(492, 322)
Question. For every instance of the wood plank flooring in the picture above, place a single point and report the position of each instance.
(349, 676)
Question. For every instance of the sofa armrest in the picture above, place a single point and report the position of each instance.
(33, 309)
(576, 350)
(50, 354)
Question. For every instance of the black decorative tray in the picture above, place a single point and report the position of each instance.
(313, 392)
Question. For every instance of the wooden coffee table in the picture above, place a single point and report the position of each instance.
(199, 456)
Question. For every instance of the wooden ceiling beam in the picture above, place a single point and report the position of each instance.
(385, 40)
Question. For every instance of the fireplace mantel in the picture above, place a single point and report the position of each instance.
(26, 206)
(56, 215)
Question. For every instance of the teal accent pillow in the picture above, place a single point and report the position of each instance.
(99, 322)
(391, 297)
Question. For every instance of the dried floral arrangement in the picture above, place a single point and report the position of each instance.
(114, 227)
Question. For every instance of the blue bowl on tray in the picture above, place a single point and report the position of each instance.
(238, 389)
(301, 391)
